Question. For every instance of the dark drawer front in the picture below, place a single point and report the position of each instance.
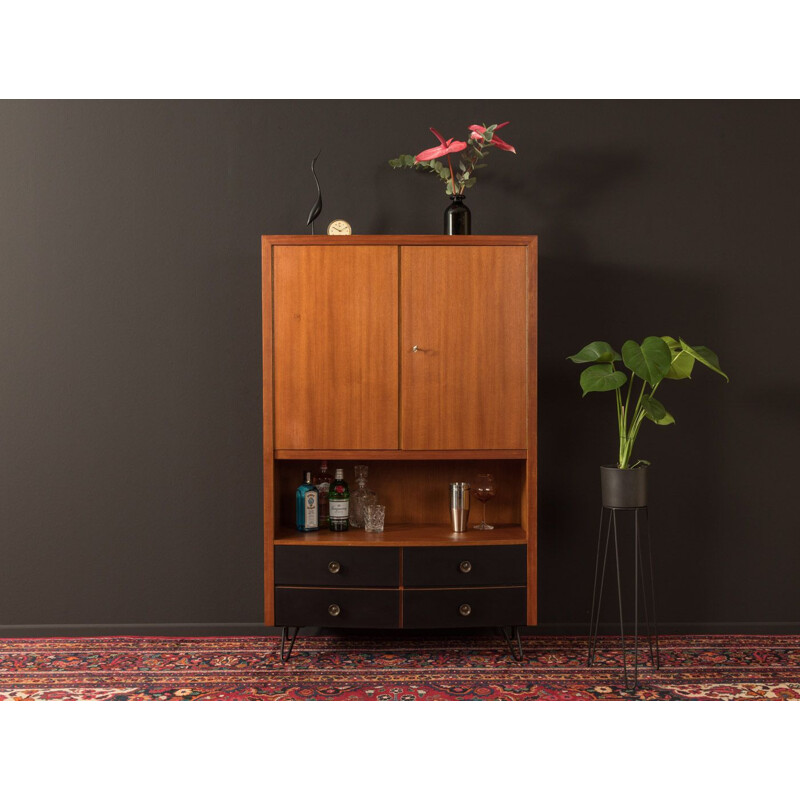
(338, 608)
(462, 608)
(296, 565)
(494, 565)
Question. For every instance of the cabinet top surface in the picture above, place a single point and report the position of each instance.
(404, 534)
(463, 241)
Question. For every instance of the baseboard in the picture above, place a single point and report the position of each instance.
(669, 628)
(185, 629)
(190, 629)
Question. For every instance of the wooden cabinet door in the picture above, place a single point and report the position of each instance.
(464, 309)
(335, 347)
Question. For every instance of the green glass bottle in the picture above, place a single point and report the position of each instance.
(339, 503)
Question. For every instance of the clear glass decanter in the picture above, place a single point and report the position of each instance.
(361, 496)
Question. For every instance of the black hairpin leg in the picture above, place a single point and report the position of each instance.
(640, 576)
(516, 654)
(619, 595)
(638, 565)
(286, 655)
(652, 587)
(639, 547)
(597, 597)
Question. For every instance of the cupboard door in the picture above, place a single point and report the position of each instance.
(335, 347)
(463, 343)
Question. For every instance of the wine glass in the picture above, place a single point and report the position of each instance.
(484, 489)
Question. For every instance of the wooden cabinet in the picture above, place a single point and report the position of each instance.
(417, 356)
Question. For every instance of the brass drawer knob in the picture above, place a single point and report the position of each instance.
(334, 610)
(465, 609)
(334, 567)
(465, 567)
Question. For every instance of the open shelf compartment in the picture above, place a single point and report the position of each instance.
(416, 496)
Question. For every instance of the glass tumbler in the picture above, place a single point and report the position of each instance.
(374, 518)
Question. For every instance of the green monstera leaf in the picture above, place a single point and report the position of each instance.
(601, 378)
(655, 411)
(682, 362)
(649, 360)
(596, 351)
(706, 357)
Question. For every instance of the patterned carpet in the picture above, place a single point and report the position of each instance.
(385, 667)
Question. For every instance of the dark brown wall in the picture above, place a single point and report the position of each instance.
(130, 386)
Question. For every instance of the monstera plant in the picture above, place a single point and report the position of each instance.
(656, 359)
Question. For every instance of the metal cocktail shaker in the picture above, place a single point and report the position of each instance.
(459, 506)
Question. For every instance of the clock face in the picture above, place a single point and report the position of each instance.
(339, 227)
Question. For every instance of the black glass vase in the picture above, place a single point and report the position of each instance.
(457, 217)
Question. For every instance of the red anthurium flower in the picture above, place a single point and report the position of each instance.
(479, 130)
(445, 148)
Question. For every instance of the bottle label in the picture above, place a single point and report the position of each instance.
(312, 511)
(323, 488)
(338, 509)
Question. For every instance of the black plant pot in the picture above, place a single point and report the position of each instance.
(623, 488)
(457, 217)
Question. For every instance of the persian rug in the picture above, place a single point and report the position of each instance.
(357, 666)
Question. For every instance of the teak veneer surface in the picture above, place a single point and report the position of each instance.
(270, 511)
(405, 535)
(399, 455)
(415, 492)
(530, 497)
(335, 347)
(346, 320)
(464, 308)
(408, 240)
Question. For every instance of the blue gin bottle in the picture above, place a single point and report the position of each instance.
(307, 505)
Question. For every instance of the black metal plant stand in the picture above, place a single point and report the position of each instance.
(638, 566)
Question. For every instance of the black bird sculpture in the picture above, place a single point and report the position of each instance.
(317, 207)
